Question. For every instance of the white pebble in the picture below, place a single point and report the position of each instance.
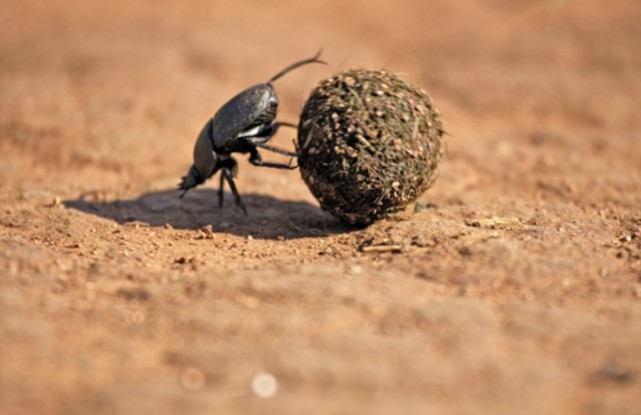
(264, 385)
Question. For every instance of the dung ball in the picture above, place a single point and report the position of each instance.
(369, 144)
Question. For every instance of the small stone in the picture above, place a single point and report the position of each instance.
(206, 232)
(421, 206)
(355, 269)
(264, 385)
(328, 251)
(192, 379)
(185, 260)
(496, 222)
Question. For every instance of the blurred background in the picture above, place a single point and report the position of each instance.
(128, 85)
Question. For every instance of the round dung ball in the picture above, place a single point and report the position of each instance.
(369, 144)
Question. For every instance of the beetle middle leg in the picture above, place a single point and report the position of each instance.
(257, 160)
(229, 176)
(228, 170)
(221, 191)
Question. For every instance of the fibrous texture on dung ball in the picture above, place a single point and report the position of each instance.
(369, 144)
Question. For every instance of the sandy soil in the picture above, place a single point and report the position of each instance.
(516, 288)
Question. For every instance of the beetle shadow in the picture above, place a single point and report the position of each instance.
(268, 218)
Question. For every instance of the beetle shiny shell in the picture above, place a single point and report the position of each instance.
(243, 125)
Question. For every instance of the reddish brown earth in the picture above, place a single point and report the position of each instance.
(516, 289)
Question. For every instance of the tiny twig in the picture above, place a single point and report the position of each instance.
(381, 248)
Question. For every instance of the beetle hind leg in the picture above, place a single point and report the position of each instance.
(315, 59)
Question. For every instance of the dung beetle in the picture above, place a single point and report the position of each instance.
(244, 124)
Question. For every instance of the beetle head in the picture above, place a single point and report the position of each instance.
(192, 179)
(205, 159)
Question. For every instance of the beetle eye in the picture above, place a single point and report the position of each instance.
(273, 102)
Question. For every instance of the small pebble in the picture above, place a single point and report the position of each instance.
(264, 385)
(355, 269)
(185, 260)
(192, 379)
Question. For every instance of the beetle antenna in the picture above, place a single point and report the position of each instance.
(298, 64)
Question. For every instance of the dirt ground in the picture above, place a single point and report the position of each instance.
(515, 287)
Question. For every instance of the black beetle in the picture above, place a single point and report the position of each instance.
(242, 125)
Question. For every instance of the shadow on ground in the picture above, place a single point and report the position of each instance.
(268, 218)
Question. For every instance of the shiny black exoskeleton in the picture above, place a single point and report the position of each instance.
(242, 125)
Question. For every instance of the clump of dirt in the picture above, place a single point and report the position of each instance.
(369, 144)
